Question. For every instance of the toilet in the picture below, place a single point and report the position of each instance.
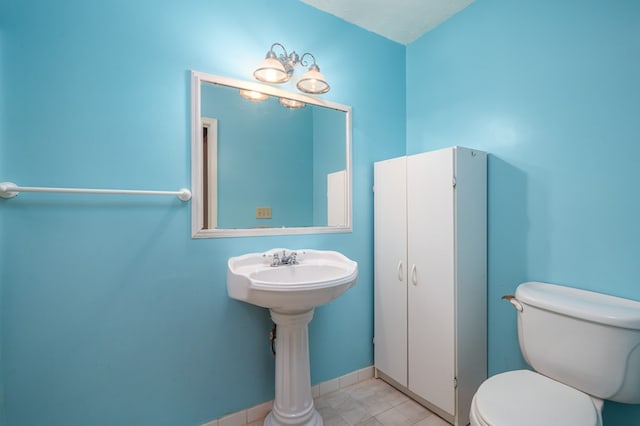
(584, 347)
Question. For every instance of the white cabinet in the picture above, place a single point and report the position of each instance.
(430, 219)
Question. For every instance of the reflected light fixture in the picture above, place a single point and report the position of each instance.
(291, 103)
(253, 96)
(279, 69)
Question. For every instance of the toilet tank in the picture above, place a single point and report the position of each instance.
(589, 341)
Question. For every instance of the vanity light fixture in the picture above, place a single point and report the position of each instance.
(279, 69)
(253, 96)
(291, 103)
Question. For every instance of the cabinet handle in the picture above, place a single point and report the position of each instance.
(400, 271)
(414, 277)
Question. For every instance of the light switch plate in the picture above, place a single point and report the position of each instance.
(263, 212)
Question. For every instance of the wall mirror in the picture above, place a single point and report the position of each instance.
(266, 161)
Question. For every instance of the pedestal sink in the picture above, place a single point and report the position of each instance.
(291, 283)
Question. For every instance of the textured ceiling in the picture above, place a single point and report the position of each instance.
(402, 21)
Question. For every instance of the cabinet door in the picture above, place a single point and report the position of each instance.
(390, 253)
(430, 211)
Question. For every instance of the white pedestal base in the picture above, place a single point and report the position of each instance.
(293, 404)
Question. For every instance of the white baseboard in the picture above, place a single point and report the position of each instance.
(259, 411)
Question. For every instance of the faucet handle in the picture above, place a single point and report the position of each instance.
(276, 260)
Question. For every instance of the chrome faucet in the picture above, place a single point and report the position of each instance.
(284, 260)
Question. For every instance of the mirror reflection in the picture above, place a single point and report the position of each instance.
(267, 161)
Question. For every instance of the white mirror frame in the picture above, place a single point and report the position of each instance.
(197, 231)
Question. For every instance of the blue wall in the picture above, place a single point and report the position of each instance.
(111, 313)
(552, 91)
(3, 162)
(3, 156)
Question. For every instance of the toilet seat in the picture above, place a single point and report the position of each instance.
(526, 398)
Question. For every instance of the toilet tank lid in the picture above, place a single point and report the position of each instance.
(582, 304)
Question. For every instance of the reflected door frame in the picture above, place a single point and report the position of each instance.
(210, 172)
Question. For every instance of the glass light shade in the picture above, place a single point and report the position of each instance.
(313, 82)
(271, 70)
(253, 96)
(291, 103)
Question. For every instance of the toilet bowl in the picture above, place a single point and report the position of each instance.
(526, 398)
(583, 347)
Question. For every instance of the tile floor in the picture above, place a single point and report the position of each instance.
(372, 402)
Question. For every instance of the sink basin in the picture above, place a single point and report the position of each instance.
(317, 277)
